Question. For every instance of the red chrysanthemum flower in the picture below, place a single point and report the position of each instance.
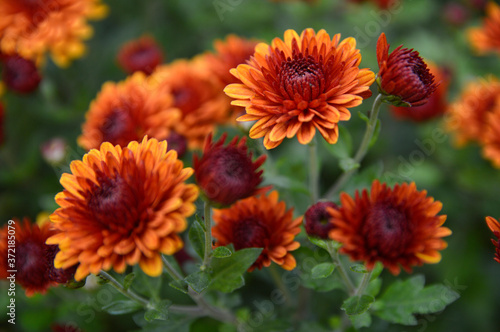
(437, 103)
(297, 85)
(197, 94)
(383, 4)
(65, 328)
(177, 142)
(491, 138)
(467, 117)
(495, 228)
(403, 75)
(20, 74)
(127, 111)
(226, 173)
(259, 222)
(399, 227)
(316, 219)
(122, 206)
(34, 260)
(31, 28)
(487, 38)
(142, 54)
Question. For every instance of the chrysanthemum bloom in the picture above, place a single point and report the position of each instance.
(403, 75)
(495, 228)
(31, 28)
(437, 103)
(491, 138)
(34, 260)
(177, 142)
(197, 94)
(65, 328)
(383, 4)
(487, 38)
(301, 84)
(127, 111)
(399, 227)
(226, 173)
(259, 222)
(122, 206)
(142, 54)
(316, 219)
(468, 115)
(19, 74)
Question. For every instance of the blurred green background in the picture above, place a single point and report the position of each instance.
(466, 184)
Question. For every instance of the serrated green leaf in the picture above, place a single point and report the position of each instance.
(358, 268)
(343, 148)
(362, 320)
(127, 282)
(122, 307)
(322, 270)
(153, 314)
(231, 284)
(356, 305)
(403, 299)
(198, 281)
(221, 252)
(196, 237)
(180, 285)
(348, 164)
(231, 268)
(318, 242)
(306, 260)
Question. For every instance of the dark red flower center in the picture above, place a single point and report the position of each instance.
(185, 98)
(118, 128)
(113, 204)
(31, 264)
(419, 68)
(60, 276)
(177, 142)
(20, 75)
(387, 229)
(302, 76)
(249, 233)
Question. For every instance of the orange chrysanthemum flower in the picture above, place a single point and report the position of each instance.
(142, 54)
(487, 38)
(403, 75)
(495, 228)
(491, 138)
(33, 259)
(398, 227)
(437, 103)
(197, 94)
(297, 85)
(467, 116)
(259, 222)
(31, 28)
(227, 173)
(122, 206)
(127, 111)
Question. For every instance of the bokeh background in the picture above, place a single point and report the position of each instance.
(466, 184)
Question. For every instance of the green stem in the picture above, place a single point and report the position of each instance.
(171, 270)
(364, 283)
(208, 235)
(313, 171)
(279, 282)
(126, 292)
(362, 150)
(334, 253)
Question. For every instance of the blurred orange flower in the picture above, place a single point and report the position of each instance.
(31, 28)
(399, 227)
(487, 38)
(297, 85)
(259, 222)
(122, 206)
(127, 111)
(491, 137)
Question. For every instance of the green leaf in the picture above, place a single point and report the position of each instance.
(375, 133)
(307, 259)
(318, 242)
(377, 270)
(122, 307)
(348, 164)
(356, 305)
(221, 252)
(363, 117)
(403, 299)
(227, 270)
(358, 268)
(373, 287)
(322, 270)
(153, 314)
(198, 281)
(362, 320)
(197, 238)
(146, 285)
(343, 148)
(127, 282)
(180, 285)
(231, 284)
